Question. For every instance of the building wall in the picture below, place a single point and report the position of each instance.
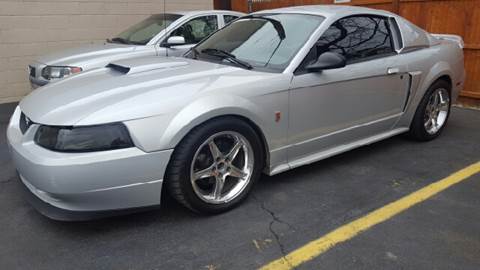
(29, 28)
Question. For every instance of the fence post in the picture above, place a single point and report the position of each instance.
(396, 6)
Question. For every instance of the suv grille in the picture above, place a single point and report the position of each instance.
(25, 123)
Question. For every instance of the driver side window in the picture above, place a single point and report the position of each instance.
(197, 29)
(358, 38)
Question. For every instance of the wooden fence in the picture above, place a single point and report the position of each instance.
(460, 17)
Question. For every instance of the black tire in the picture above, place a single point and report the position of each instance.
(418, 131)
(177, 177)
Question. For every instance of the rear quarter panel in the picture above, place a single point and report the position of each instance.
(429, 64)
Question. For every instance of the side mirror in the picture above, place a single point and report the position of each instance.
(175, 41)
(327, 60)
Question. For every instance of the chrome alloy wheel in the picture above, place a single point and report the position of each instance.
(222, 167)
(437, 110)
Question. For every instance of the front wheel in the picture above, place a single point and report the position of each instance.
(214, 167)
(432, 112)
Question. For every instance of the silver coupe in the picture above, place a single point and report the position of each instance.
(271, 91)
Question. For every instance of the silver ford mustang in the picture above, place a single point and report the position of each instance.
(272, 91)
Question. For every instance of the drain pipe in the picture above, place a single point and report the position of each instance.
(250, 6)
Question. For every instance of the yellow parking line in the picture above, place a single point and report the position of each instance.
(350, 230)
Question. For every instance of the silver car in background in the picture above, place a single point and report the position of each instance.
(256, 96)
(169, 34)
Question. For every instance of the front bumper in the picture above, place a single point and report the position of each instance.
(86, 182)
(60, 214)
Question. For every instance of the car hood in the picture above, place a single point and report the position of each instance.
(131, 89)
(74, 56)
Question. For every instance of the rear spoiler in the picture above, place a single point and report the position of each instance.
(454, 38)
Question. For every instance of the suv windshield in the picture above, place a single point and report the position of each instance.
(264, 41)
(142, 32)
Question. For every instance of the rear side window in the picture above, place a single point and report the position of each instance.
(228, 18)
(357, 38)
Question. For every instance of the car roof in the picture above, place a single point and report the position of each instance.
(328, 10)
(201, 12)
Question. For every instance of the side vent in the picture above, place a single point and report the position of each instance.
(118, 68)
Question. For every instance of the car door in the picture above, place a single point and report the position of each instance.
(193, 31)
(335, 107)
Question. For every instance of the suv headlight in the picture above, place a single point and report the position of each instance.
(84, 138)
(54, 72)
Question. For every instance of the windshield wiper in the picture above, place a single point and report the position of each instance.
(276, 24)
(227, 56)
(118, 40)
(124, 41)
(195, 53)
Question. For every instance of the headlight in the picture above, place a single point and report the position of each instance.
(84, 138)
(53, 72)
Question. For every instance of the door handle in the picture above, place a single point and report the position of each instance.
(391, 71)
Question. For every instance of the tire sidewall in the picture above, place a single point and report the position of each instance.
(418, 126)
(192, 144)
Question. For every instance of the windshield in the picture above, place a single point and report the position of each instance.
(142, 32)
(268, 42)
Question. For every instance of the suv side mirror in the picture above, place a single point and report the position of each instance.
(327, 60)
(175, 41)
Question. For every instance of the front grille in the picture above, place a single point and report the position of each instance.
(32, 71)
(25, 123)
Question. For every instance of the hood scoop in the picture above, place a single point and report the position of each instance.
(118, 68)
(138, 65)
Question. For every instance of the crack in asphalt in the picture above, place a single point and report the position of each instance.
(275, 218)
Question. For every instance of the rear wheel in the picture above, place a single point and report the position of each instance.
(214, 167)
(432, 113)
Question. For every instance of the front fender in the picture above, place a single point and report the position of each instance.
(166, 131)
(207, 108)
